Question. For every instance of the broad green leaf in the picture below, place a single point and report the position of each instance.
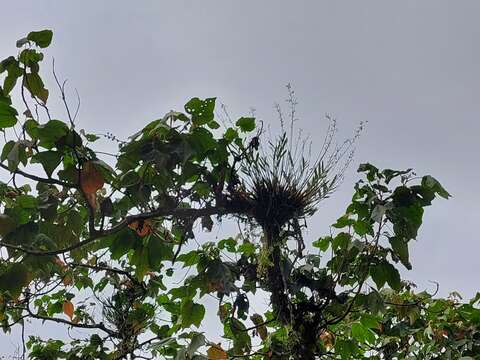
(433, 184)
(122, 242)
(197, 342)
(14, 153)
(7, 224)
(345, 348)
(14, 71)
(406, 220)
(362, 227)
(242, 342)
(343, 221)
(8, 115)
(202, 141)
(158, 251)
(372, 171)
(140, 259)
(47, 134)
(192, 314)
(362, 334)
(41, 38)
(378, 275)
(400, 248)
(13, 278)
(370, 321)
(385, 272)
(230, 134)
(48, 159)
(7, 148)
(246, 124)
(21, 42)
(201, 110)
(190, 258)
(34, 84)
(341, 241)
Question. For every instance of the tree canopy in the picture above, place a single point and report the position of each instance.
(111, 247)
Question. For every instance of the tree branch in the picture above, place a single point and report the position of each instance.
(176, 212)
(99, 326)
(38, 178)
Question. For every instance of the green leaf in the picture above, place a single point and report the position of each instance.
(192, 314)
(6, 149)
(362, 334)
(14, 153)
(431, 183)
(374, 302)
(140, 259)
(7, 225)
(33, 82)
(362, 227)
(21, 42)
(213, 124)
(14, 278)
(406, 220)
(27, 201)
(393, 277)
(385, 272)
(158, 251)
(190, 258)
(41, 38)
(201, 110)
(47, 134)
(343, 221)
(202, 141)
(341, 241)
(198, 340)
(372, 171)
(322, 243)
(400, 248)
(8, 116)
(377, 272)
(11, 65)
(230, 135)
(49, 160)
(247, 249)
(246, 124)
(31, 58)
(370, 321)
(345, 348)
(122, 242)
(391, 174)
(242, 342)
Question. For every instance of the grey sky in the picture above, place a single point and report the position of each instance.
(410, 68)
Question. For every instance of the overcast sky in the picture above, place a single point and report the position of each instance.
(409, 68)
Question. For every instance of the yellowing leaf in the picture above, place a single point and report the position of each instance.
(215, 352)
(327, 339)
(261, 329)
(68, 309)
(92, 200)
(59, 262)
(223, 312)
(91, 179)
(67, 280)
(142, 227)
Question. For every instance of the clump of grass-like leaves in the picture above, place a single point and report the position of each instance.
(286, 179)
